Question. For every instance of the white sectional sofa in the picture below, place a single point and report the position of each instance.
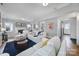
(4, 54)
(47, 50)
(31, 50)
(38, 38)
(51, 47)
(46, 47)
(62, 50)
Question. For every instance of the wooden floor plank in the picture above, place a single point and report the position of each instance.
(72, 49)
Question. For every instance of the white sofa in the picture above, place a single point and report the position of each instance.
(38, 38)
(4, 54)
(55, 41)
(53, 48)
(62, 50)
(31, 50)
(47, 50)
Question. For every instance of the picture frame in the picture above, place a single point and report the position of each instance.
(19, 24)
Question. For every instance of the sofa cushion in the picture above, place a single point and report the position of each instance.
(42, 43)
(47, 50)
(56, 42)
(4, 54)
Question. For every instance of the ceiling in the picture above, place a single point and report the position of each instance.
(36, 11)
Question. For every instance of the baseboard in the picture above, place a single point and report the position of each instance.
(73, 38)
(67, 34)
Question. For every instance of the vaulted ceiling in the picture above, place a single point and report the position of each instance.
(36, 11)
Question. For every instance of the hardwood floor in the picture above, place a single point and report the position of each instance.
(74, 51)
(72, 48)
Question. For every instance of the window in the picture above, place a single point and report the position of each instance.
(9, 27)
(67, 26)
(29, 27)
(36, 26)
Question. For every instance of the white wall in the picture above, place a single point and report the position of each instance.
(58, 27)
(77, 32)
(14, 32)
(51, 32)
(73, 28)
(77, 29)
(72, 22)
